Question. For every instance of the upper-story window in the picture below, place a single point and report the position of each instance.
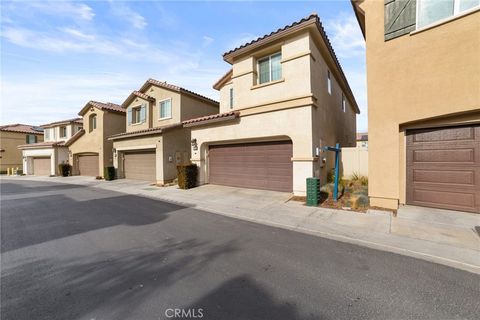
(231, 98)
(270, 68)
(47, 134)
(165, 109)
(63, 132)
(430, 11)
(329, 82)
(92, 122)
(31, 138)
(137, 114)
(344, 103)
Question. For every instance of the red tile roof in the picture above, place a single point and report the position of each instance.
(164, 84)
(144, 132)
(108, 106)
(211, 118)
(57, 123)
(21, 128)
(313, 18)
(137, 94)
(362, 136)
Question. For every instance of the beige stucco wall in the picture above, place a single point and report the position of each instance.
(169, 146)
(184, 107)
(298, 107)
(422, 75)
(72, 128)
(194, 108)
(12, 156)
(295, 82)
(95, 141)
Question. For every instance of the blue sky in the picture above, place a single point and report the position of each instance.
(58, 55)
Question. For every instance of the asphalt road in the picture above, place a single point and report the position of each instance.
(74, 252)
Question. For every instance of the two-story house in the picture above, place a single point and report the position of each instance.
(89, 149)
(155, 141)
(284, 98)
(13, 135)
(43, 158)
(423, 77)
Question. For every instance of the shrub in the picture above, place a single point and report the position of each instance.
(187, 176)
(65, 169)
(109, 173)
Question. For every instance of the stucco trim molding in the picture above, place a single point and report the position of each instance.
(140, 147)
(244, 74)
(266, 84)
(297, 56)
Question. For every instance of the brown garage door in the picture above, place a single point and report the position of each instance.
(41, 166)
(88, 165)
(443, 168)
(140, 165)
(265, 165)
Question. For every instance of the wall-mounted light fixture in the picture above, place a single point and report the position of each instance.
(194, 144)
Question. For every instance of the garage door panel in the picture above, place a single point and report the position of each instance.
(265, 165)
(140, 165)
(88, 165)
(466, 177)
(443, 168)
(41, 166)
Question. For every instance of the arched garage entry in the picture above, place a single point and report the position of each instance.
(258, 165)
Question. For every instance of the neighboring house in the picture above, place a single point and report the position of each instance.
(43, 158)
(423, 77)
(89, 149)
(155, 141)
(285, 98)
(362, 140)
(13, 135)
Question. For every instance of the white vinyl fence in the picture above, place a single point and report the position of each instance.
(355, 160)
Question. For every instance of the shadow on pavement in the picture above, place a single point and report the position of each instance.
(111, 285)
(40, 219)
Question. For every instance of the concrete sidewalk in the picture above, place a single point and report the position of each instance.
(440, 236)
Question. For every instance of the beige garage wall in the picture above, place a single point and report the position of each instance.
(140, 143)
(294, 124)
(421, 75)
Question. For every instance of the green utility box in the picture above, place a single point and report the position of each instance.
(313, 192)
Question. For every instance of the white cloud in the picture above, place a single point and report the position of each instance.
(345, 35)
(59, 42)
(78, 34)
(75, 10)
(207, 41)
(130, 16)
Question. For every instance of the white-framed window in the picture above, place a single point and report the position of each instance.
(431, 11)
(63, 132)
(165, 109)
(47, 134)
(344, 103)
(269, 68)
(231, 98)
(92, 122)
(137, 114)
(329, 82)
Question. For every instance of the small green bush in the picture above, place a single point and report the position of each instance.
(65, 169)
(187, 176)
(109, 173)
